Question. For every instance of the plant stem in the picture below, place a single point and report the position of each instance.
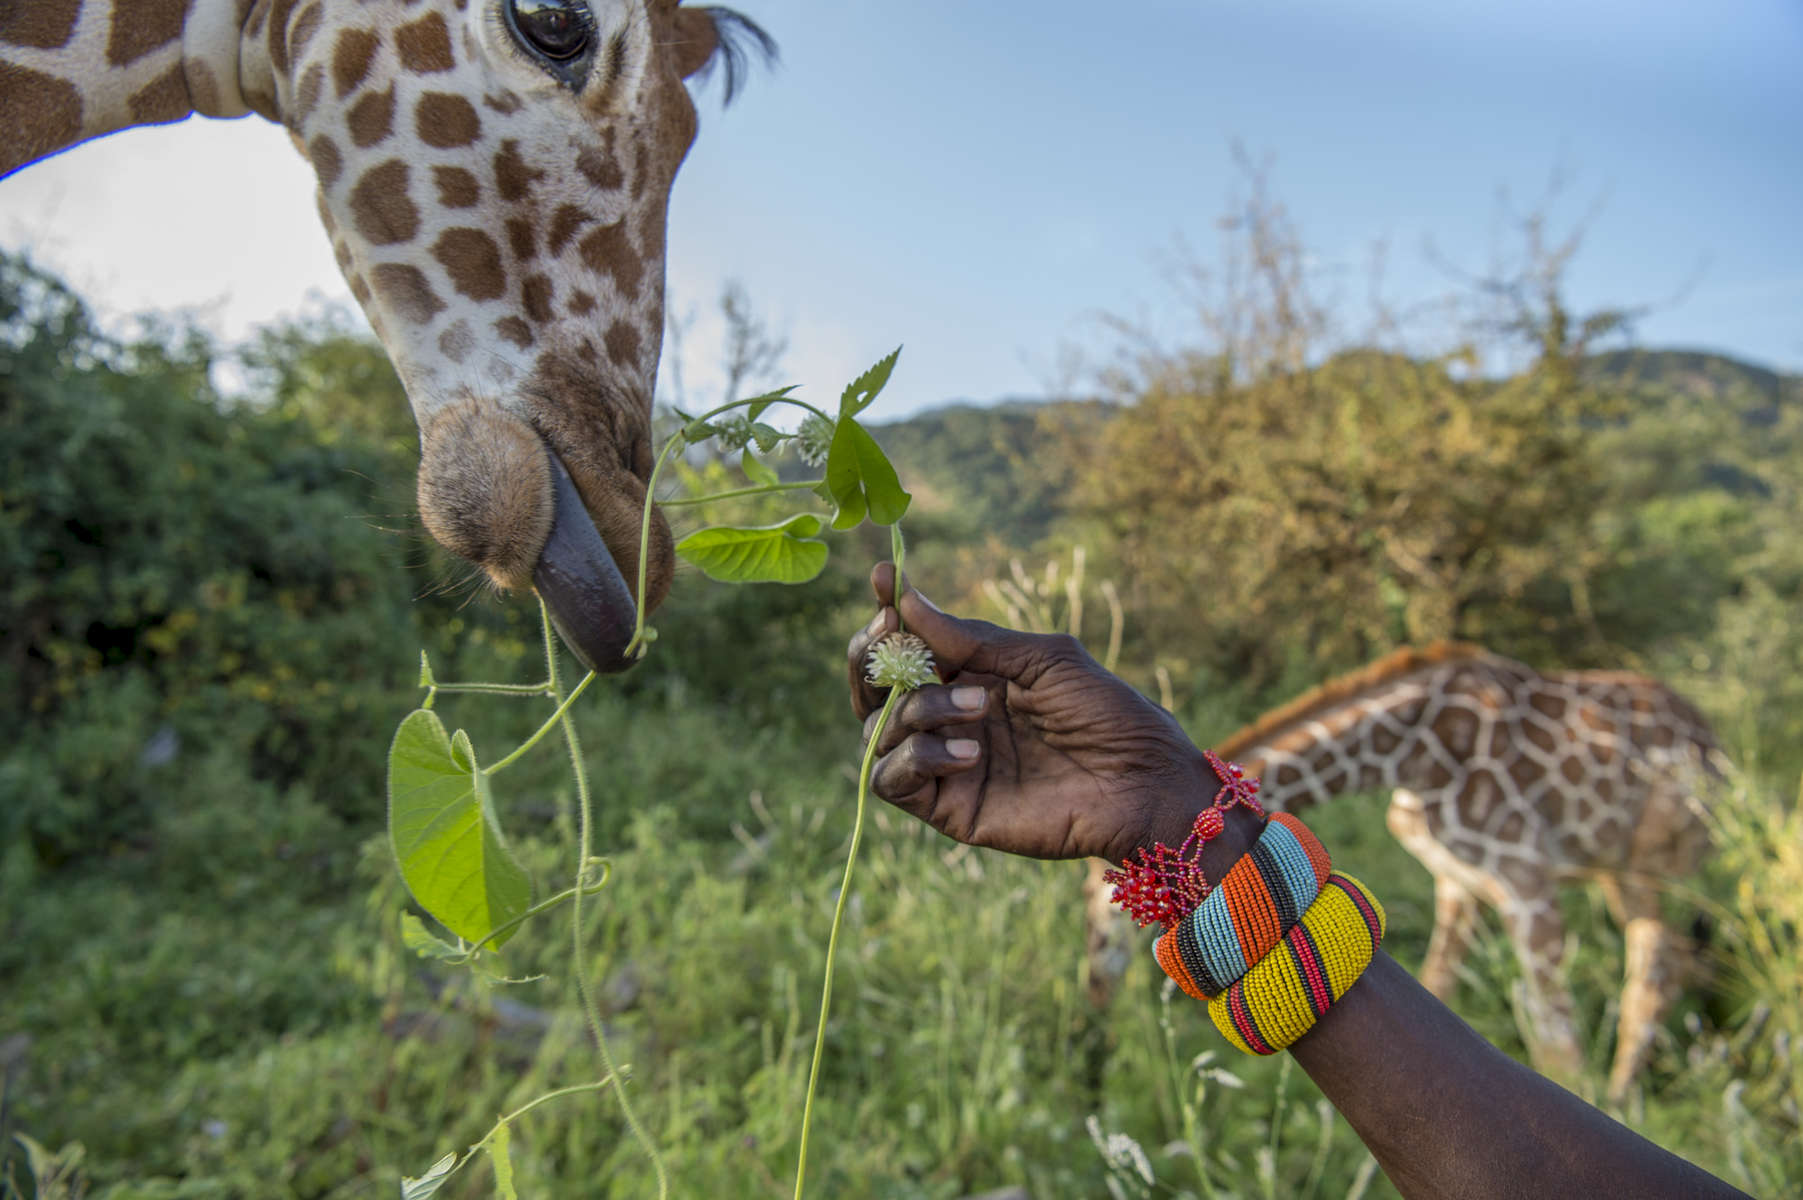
(636, 647)
(583, 837)
(563, 708)
(543, 906)
(832, 941)
(898, 551)
(496, 689)
(749, 491)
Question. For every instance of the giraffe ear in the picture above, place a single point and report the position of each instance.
(696, 40)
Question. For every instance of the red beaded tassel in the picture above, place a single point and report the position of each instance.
(1166, 885)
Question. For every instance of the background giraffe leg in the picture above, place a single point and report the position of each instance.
(1650, 977)
(1455, 927)
(1109, 938)
(1537, 930)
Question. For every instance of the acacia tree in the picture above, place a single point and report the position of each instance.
(1272, 491)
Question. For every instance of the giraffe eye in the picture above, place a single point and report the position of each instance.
(558, 30)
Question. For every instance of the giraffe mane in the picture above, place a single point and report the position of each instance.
(1337, 691)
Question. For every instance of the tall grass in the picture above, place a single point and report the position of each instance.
(228, 1011)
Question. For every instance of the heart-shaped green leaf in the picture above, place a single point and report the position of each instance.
(756, 471)
(784, 553)
(417, 938)
(441, 824)
(861, 479)
(861, 391)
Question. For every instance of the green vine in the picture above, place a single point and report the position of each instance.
(443, 825)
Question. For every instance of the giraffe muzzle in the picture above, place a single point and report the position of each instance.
(580, 583)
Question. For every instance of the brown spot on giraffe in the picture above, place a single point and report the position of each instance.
(405, 290)
(521, 239)
(513, 177)
(457, 188)
(505, 103)
(516, 331)
(371, 118)
(425, 45)
(278, 13)
(623, 344)
(150, 25)
(380, 206)
(457, 341)
(473, 261)
(600, 167)
(581, 304)
(446, 121)
(352, 55)
(39, 24)
(307, 95)
(537, 295)
(305, 26)
(585, 350)
(164, 98)
(651, 236)
(52, 120)
(607, 250)
(322, 152)
(203, 87)
(566, 222)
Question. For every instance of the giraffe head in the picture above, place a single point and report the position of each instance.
(495, 177)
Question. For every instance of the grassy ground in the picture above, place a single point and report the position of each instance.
(227, 1010)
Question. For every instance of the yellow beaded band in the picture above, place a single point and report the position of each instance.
(1289, 989)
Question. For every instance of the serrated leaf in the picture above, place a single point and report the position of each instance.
(861, 480)
(699, 431)
(427, 1185)
(446, 839)
(756, 471)
(861, 391)
(783, 553)
(757, 404)
(768, 437)
(499, 1153)
(426, 679)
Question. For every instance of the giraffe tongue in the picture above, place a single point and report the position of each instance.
(580, 584)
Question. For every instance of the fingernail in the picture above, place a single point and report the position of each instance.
(961, 747)
(970, 699)
(875, 628)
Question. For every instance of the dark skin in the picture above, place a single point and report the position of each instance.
(1030, 747)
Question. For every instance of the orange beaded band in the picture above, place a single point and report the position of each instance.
(1264, 894)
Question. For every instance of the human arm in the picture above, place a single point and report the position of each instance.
(1063, 759)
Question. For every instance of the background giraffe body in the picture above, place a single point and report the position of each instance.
(1508, 784)
(494, 176)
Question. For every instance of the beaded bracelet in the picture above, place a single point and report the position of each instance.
(1264, 894)
(1165, 885)
(1290, 988)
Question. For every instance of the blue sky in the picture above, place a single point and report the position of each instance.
(979, 181)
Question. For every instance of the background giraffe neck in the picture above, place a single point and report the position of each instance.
(71, 70)
(1360, 732)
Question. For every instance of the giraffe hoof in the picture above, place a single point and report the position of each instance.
(581, 585)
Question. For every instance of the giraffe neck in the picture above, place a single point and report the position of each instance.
(71, 70)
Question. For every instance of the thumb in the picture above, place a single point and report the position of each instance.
(959, 644)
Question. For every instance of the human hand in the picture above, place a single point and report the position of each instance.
(1028, 745)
